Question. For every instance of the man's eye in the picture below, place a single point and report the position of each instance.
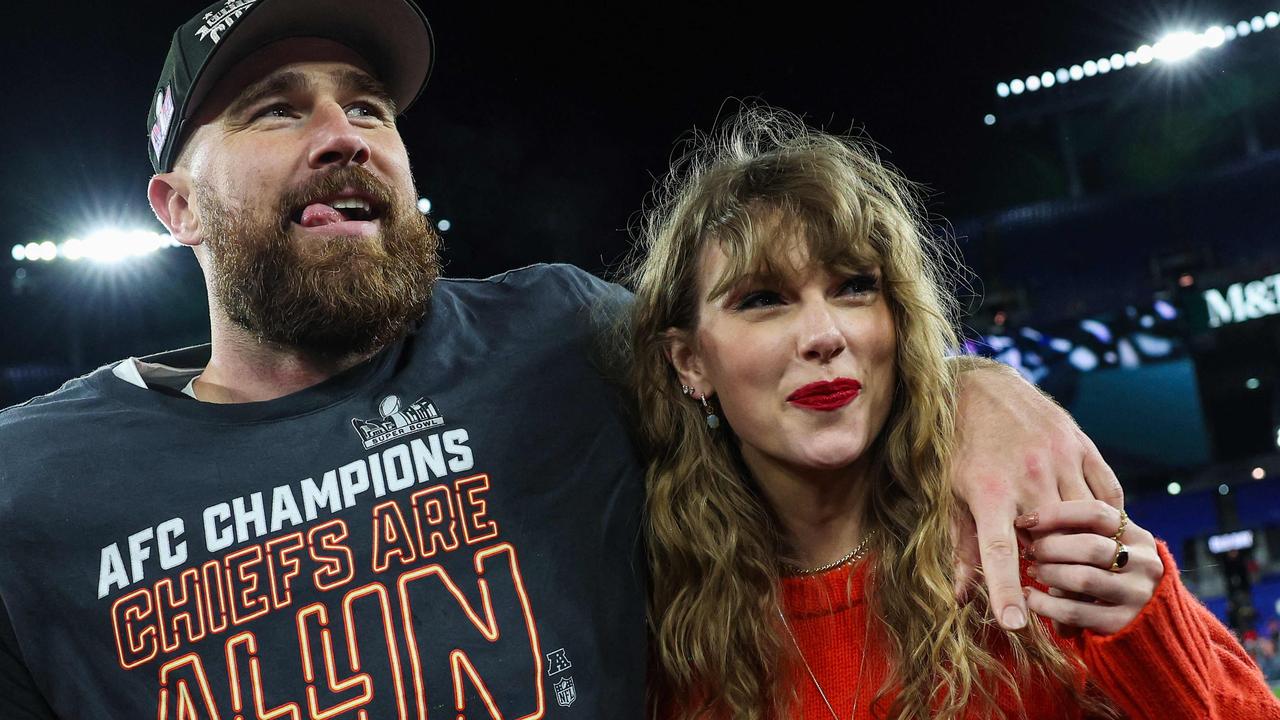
(279, 110)
(863, 284)
(758, 299)
(366, 110)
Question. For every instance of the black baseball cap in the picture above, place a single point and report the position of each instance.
(392, 35)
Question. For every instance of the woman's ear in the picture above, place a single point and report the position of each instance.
(682, 352)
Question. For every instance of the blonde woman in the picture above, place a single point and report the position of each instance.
(789, 336)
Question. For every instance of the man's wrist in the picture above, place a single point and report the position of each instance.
(961, 364)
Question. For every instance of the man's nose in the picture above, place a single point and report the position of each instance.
(820, 338)
(337, 141)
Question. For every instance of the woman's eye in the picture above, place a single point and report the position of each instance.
(860, 285)
(758, 299)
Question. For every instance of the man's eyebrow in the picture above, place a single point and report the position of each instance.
(282, 83)
(352, 80)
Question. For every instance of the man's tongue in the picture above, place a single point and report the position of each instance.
(317, 214)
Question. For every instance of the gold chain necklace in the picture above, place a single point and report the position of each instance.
(853, 556)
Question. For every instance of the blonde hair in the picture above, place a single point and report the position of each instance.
(713, 542)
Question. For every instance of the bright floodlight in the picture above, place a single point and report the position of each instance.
(1258, 473)
(1016, 87)
(988, 119)
(1242, 28)
(1272, 19)
(1077, 73)
(1224, 489)
(1104, 66)
(1257, 24)
(1174, 488)
(1229, 32)
(1090, 68)
(1046, 79)
(1117, 61)
(1130, 58)
(1213, 37)
(1002, 89)
(19, 252)
(1033, 83)
(1178, 46)
(1062, 75)
(444, 225)
(424, 205)
(1145, 54)
(48, 250)
(113, 245)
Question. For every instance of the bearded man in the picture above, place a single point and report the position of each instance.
(374, 493)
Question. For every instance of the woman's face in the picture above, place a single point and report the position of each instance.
(802, 365)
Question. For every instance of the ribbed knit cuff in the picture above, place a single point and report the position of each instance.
(1167, 662)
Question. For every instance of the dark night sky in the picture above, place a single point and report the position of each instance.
(543, 125)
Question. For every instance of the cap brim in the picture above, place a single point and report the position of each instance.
(393, 35)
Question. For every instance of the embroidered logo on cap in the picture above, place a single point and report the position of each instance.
(216, 23)
(164, 113)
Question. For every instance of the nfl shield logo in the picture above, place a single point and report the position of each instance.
(565, 692)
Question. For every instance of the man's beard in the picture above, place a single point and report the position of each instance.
(330, 297)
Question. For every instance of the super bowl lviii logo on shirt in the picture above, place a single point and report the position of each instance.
(396, 421)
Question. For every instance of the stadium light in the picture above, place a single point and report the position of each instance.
(1174, 488)
(988, 119)
(444, 225)
(1252, 383)
(107, 245)
(1178, 46)
(1173, 47)
(424, 205)
(1258, 473)
(1224, 489)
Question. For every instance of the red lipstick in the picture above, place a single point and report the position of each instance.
(826, 395)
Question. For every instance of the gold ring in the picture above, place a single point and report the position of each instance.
(1121, 558)
(1124, 521)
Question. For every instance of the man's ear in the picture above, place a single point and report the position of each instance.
(682, 353)
(169, 194)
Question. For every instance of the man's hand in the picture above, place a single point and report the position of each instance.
(1016, 450)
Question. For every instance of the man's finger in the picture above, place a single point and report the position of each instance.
(998, 549)
(1101, 478)
(965, 538)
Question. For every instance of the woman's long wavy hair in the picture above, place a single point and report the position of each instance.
(718, 646)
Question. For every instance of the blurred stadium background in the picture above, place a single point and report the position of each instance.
(1110, 174)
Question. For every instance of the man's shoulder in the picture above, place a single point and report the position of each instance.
(70, 402)
(552, 281)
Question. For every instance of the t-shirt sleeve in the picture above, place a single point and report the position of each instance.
(603, 310)
(1175, 660)
(19, 698)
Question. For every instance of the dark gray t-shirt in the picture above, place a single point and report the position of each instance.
(449, 530)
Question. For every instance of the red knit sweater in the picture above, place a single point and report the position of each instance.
(1173, 661)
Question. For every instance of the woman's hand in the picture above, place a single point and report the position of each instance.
(1105, 577)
